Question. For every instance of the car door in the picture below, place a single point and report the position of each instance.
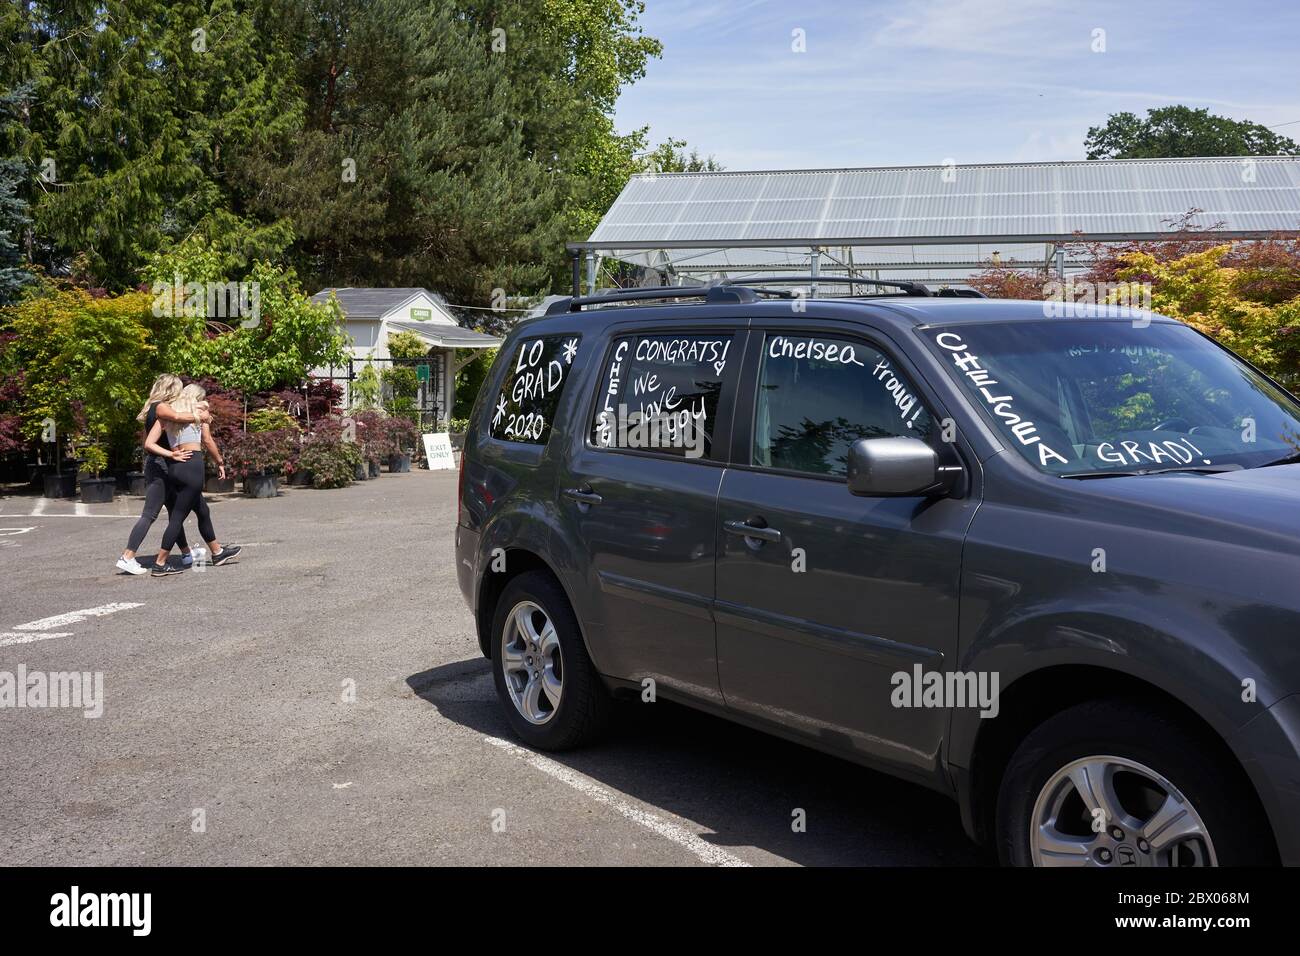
(643, 511)
(835, 595)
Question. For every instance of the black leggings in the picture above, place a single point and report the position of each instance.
(186, 477)
(157, 492)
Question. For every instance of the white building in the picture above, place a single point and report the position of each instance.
(372, 315)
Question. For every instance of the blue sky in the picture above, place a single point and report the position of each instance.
(926, 81)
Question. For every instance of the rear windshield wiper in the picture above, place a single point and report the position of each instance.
(1198, 469)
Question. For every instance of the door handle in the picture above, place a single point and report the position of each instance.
(584, 496)
(747, 530)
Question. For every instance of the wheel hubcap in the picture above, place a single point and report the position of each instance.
(1115, 812)
(532, 662)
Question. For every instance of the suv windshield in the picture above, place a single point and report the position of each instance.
(1084, 398)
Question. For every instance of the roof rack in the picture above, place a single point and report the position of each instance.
(906, 288)
(728, 291)
(710, 294)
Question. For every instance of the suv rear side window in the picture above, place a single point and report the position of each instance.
(819, 394)
(531, 390)
(660, 393)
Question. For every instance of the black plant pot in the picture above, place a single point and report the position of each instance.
(362, 472)
(300, 478)
(63, 485)
(135, 483)
(261, 486)
(219, 486)
(98, 491)
(374, 469)
(399, 463)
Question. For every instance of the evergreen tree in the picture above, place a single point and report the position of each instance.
(14, 222)
(136, 112)
(448, 144)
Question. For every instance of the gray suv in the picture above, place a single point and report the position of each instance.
(1048, 566)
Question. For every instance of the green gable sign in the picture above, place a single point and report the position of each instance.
(422, 315)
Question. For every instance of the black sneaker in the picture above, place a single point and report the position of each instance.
(162, 570)
(225, 554)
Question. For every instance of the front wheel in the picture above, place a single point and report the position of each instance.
(1117, 784)
(553, 697)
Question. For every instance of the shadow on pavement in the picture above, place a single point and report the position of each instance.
(741, 784)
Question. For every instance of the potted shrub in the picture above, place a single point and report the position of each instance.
(455, 428)
(227, 418)
(96, 489)
(372, 436)
(331, 461)
(261, 457)
(402, 437)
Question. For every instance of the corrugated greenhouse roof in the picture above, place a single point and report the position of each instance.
(901, 206)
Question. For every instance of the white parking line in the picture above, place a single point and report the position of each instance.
(39, 509)
(75, 617)
(10, 637)
(39, 512)
(705, 851)
(42, 514)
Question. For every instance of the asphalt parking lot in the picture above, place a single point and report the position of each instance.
(322, 701)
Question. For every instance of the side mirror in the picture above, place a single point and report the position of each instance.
(894, 468)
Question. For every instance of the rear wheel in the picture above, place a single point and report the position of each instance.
(553, 697)
(1117, 784)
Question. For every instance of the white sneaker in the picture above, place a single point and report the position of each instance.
(130, 566)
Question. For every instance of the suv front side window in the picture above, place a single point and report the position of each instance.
(818, 394)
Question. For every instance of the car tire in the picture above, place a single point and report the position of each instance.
(553, 697)
(1155, 781)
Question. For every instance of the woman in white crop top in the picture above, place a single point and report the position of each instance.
(187, 473)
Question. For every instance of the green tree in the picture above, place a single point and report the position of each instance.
(1172, 131)
(14, 221)
(670, 156)
(365, 388)
(286, 337)
(402, 381)
(453, 145)
(469, 379)
(407, 345)
(86, 362)
(414, 168)
(138, 110)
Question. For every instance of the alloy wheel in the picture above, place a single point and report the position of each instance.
(532, 662)
(1106, 811)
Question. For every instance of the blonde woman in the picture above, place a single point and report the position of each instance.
(186, 474)
(157, 492)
